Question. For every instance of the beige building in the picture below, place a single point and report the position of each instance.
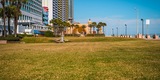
(80, 30)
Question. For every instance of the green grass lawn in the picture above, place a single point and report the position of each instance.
(85, 58)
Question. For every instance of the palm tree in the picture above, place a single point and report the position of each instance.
(104, 24)
(49, 27)
(94, 25)
(17, 4)
(90, 25)
(83, 26)
(16, 14)
(67, 25)
(99, 26)
(3, 16)
(72, 25)
(9, 12)
(76, 26)
(56, 23)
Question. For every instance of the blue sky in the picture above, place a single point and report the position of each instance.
(117, 13)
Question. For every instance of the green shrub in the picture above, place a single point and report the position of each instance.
(37, 40)
(21, 35)
(96, 35)
(48, 34)
(8, 38)
(68, 34)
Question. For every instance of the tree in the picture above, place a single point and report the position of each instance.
(104, 24)
(83, 27)
(56, 23)
(49, 27)
(60, 25)
(99, 26)
(76, 26)
(94, 25)
(17, 4)
(67, 24)
(3, 16)
(9, 14)
(90, 25)
(72, 25)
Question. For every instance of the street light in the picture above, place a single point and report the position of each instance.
(117, 31)
(126, 29)
(113, 31)
(136, 20)
(142, 27)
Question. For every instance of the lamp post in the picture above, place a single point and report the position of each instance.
(126, 29)
(112, 32)
(142, 27)
(136, 20)
(117, 31)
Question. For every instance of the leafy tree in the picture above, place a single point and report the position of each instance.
(49, 27)
(55, 24)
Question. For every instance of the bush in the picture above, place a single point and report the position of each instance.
(8, 38)
(21, 35)
(68, 34)
(48, 34)
(24, 35)
(37, 40)
(96, 35)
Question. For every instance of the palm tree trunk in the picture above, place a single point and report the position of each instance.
(9, 27)
(15, 26)
(4, 19)
(90, 30)
(103, 29)
(98, 30)
(70, 30)
(4, 25)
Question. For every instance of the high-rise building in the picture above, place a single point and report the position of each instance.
(71, 10)
(31, 18)
(62, 9)
(49, 4)
(45, 15)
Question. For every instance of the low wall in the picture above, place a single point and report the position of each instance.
(3, 41)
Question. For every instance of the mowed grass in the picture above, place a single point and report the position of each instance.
(80, 59)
